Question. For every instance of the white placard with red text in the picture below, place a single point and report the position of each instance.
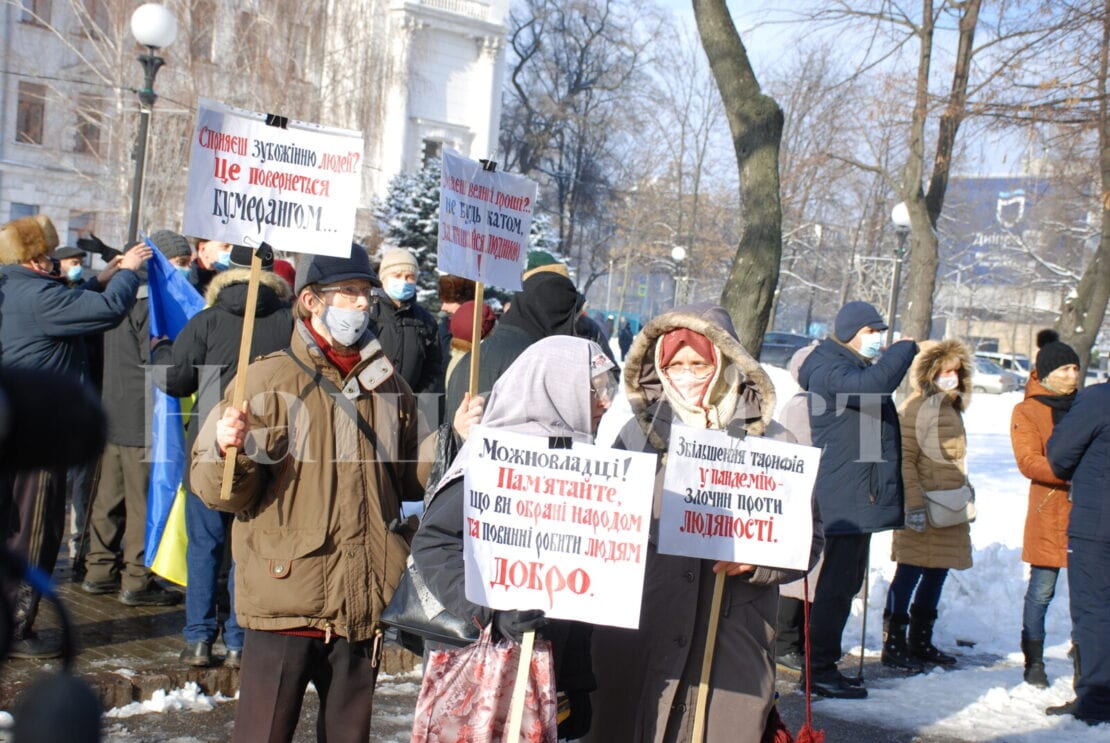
(742, 500)
(295, 187)
(562, 530)
(484, 221)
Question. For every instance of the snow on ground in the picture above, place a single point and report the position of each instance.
(188, 698)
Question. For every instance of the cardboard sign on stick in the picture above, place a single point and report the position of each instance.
(294, 186)
(484, 220)
(742, 500)
(562, 530)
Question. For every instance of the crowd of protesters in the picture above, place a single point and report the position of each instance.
(294, 492)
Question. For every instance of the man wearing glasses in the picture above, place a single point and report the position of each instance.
(326, 448)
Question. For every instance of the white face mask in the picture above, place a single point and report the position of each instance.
(346, 326)
(947, 383)
(872, 343)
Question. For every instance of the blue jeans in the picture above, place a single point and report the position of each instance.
(928, 582)
(208, 530)
(1042, 587)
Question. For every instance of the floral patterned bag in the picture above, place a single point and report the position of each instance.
(466, 694)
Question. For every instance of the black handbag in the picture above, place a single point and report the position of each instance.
(415, 614)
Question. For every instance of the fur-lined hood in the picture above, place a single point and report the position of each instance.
(645, 388)
(27, 238)
(934, 356)
(232, 276)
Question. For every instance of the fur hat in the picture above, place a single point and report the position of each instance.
(455, 289)
(397, 258)
(27, 238)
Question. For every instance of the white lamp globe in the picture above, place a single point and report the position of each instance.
(678, 254)
(153, 25)
(900, 215)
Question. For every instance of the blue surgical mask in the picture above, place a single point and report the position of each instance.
(184, 270)
(399, 289)
(872, 343)
(223, 261)
(74, 273)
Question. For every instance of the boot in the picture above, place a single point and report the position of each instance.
(1034, 663)
(920, 637)
(896, 652)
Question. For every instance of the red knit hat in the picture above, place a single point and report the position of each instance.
(285, 270)
(462, 322)
(672, 342)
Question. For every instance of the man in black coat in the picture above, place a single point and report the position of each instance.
(408, 332)
(859, 486)
(116, 560)
(203, 360)
(43, 329)
(1079, 450)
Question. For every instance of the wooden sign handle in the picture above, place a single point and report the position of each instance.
(476, 336)
(520, 688)
(240, 388)
(707, 659)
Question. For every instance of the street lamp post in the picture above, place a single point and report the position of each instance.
(678, 255)
(900, 215)
(155, 27)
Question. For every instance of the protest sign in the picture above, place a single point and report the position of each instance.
(484, 221)
(562, 530)
(742, 500)
(295, 187)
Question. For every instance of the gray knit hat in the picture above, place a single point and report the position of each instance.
(171, 244)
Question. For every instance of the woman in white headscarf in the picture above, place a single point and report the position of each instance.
(558, 388)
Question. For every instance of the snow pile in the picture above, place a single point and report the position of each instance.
(189, 698)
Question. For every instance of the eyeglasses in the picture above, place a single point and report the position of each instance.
(603, 389)
(698, 372)
(349, 291)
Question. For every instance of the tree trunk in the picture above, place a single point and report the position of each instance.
(925, 207)
(1082, 316)
(756, 123)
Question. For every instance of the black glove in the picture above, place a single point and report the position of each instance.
(93, 244)
(513, 624)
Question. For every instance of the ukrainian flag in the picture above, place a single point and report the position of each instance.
(173, 301)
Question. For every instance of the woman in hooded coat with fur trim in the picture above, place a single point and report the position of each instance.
(934, 457)
(688, 365)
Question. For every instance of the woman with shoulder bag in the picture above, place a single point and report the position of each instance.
(934, 461)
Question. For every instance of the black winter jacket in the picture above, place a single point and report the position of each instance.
(124, 387)
(43, 322)
(855, 424)
(203, 358)
(1079, 450)
(410, 339)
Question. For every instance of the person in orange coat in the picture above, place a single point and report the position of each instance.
(1048, 396)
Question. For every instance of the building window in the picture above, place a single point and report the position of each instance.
(90, 121)
(30, 114)
(23, 210)
(202, 22)
(81, 224)
(433, 150)
(93, 19)
(36, 12)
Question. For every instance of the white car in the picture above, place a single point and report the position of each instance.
(988, 376)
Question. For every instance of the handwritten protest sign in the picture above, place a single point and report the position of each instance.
(296, 187)
(562, 530)
(484, 221)
(746, 501)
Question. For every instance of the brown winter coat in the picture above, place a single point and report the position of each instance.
(647, 678)
(1046, 522)
(311, 545)
(934, 456)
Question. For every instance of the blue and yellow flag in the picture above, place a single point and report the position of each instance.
(173, 301)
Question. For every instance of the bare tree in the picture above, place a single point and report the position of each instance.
(756, 123)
